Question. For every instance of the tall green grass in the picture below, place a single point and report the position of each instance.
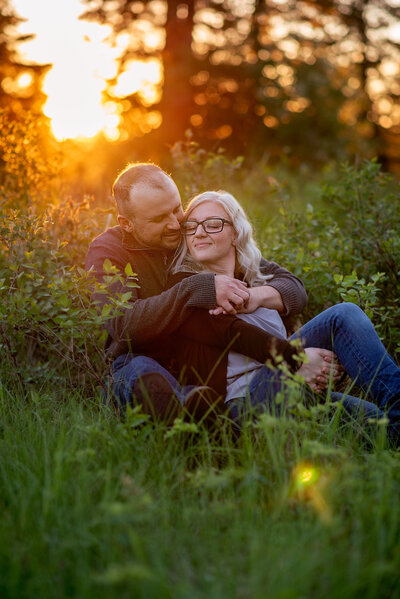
(92, 506)
(301, 507)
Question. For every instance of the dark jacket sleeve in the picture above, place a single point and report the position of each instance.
(228, 332)
(148, 318)
(291, 288)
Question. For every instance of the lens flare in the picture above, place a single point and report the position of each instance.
(307, 487)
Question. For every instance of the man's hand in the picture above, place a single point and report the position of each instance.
(231, 294)
(263, 296)
(322, 365)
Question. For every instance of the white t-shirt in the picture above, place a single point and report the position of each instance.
(241, 369)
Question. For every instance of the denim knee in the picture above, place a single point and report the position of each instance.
(347, 313)
(137, 362)
(347, 310)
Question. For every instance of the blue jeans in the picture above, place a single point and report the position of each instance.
(343, 328)
(127, 368)
(346, 330)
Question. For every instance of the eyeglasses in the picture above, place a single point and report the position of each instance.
(210, 225)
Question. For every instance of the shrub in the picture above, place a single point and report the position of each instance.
(347, 250)
(47, 313)
(27, 169)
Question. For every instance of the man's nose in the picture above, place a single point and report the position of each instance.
(175, 221)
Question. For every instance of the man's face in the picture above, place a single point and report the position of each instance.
(155, 215)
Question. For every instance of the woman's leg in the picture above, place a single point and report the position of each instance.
(262, 396)
(347, 330)
(268, 392)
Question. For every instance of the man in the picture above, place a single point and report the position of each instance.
(149, 217)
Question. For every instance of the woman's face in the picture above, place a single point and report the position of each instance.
(212, 249)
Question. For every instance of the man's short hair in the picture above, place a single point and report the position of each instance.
(131, 176)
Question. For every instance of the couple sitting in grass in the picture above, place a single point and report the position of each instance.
(211, 310)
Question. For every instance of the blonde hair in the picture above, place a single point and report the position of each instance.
(248, 255)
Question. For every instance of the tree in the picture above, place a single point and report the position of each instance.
(294, 74)
(21, 82)
(354, 37)
(374, 71)
(157, 30)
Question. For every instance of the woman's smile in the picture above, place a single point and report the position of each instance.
(202, 244)
(215, 251)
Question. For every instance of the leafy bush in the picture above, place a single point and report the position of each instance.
(195, 170)
(27, 168)
(346, 249)
(46, 308)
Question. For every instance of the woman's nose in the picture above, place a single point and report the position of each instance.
(200, 232)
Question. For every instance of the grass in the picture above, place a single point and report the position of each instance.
(95, 507)
(299, 508)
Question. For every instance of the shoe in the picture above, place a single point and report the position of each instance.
(156, 397)
(203, 404)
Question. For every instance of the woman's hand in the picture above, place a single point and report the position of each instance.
(230, 293)
(263, 296)
(322, 366)
(254, 301)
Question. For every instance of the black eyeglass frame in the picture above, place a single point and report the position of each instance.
(223, 222)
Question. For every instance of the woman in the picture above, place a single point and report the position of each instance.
(218, 238)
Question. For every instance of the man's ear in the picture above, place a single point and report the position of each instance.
(124, 223)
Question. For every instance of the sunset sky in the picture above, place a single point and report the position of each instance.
(81, 60)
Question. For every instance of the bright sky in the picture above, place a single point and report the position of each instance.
(81, 61)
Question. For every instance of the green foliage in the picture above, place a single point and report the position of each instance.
(26, 171)
(196, 170)
(95, 505)
(348, 249)
(46, 309)
(48, 320)
(353, 289)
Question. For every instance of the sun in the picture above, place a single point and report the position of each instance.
(82, 62)
(76, 111)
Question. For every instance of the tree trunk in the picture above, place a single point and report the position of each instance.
(177, 100)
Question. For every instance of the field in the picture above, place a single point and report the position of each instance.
(301, 507)
(96, 507)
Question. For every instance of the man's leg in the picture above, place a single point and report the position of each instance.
(142, 380)
(347, 330)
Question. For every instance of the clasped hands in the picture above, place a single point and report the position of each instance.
(233, 296)
(322, 365)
